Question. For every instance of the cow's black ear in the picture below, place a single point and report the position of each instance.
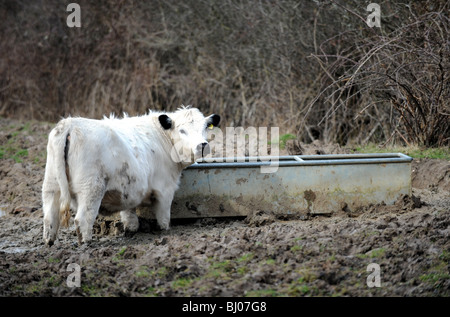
(165, 121)
(213, 119)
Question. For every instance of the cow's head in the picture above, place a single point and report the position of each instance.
(188, 129)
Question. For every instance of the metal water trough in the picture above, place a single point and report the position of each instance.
(313, 184)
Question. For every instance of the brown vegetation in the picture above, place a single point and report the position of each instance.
(313, 68)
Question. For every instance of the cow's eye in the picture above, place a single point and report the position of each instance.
(183, 131)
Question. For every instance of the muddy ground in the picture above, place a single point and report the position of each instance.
(257, 256)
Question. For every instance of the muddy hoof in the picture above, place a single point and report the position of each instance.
(129, 233)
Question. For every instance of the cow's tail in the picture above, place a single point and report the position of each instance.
(60, 143)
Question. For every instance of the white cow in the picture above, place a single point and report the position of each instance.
(117, 164)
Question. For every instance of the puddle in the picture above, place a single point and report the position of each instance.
(14, 250)
(10, 247)
(3, 210)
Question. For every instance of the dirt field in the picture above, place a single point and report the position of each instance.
(257, 256)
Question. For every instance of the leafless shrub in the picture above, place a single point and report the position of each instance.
(311, 67)
(396, 83)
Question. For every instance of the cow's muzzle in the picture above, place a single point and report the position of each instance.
(203, 149)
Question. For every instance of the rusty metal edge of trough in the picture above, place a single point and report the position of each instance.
(294, 160)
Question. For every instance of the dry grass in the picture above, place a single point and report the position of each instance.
(312, 68)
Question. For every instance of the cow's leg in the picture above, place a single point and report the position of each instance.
(130, 221)
(162, 209)
(50, 209)
(87, 211)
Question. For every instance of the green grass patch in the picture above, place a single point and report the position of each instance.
(182, 283)
(143, 272)
(21, 153)
(90, 290)
(245, 258)
(47, 281)
(270, 262)
(445, 256)
(151, 292)
(221, 269)
(299, 287)
(225, 269)
(296, 248)
(269, 292)
(434, 277)
(11, 152)
(438, 274)
(122, 251)
(12, 149)
(53, 260)
(442, 153)
(18, 142)
(119, 255)
(375, 253)
(162, 272)
(283, 139)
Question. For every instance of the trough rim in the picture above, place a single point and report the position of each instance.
(300, 160)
